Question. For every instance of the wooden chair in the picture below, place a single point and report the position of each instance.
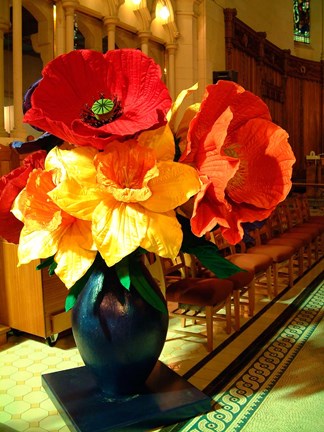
(302, 220)
(243, 282)
(303, 204)
(260, 264)
(281, 234)
(281, 254)
(195, 298)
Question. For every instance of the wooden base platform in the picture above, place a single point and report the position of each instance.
(166, 399)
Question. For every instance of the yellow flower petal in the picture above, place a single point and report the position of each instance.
(118, 229)
(18, 205)
(174, 186)
(72, 265)
(37, 244)
(182, 130)
(76, 199)
(76, 253)
(135, 194)
(161, 140)
(164, 235)
(77, 163)
(173, 112)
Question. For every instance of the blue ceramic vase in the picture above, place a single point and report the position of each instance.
(118, 334)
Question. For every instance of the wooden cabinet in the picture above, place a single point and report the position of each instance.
(30, 300)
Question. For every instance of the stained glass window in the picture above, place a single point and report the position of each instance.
(302, 21)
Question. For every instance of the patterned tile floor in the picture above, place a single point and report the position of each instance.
(25, 406)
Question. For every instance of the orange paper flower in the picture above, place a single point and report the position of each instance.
(244, 160)
(48, 230)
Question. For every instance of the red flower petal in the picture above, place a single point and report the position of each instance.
(219, 97)
(74, 80)
(266, 161)
(10, 186)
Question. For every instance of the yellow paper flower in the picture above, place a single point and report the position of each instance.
(130, 201)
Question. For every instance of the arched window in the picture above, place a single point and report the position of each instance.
(301, 21)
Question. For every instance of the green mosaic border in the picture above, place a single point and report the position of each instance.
(235, 406)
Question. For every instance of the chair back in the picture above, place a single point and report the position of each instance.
(262, 234)
(223, 245)
(172, 270)
(302, 207)
(283, 216)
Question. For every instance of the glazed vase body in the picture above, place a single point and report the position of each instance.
(118, 334)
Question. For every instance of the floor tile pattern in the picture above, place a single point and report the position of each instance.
(25, 406)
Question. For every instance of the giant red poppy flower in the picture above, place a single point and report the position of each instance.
(89, 98)
(10, 186)
(244, 160)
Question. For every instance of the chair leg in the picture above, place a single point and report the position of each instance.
(228, 315)
(316, 246)
(309, 255)
(301, 261)
(236, 300)
(251, 296)
(290, 273)
(209, 328)
(275, 279)
(269, 283)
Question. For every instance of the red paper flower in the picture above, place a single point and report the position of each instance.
(10, 186)
(244, 160)
(90, 98)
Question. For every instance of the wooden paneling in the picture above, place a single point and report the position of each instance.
(291, 87)
(311, 101)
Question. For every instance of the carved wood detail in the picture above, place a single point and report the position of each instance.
(292, 87)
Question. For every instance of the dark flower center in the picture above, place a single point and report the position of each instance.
(102, 111)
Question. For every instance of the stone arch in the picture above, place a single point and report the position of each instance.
(91, 29)
(167, 30)
(43, 40)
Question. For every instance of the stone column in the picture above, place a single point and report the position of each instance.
(18, 130)
(110, 24)
(187, 52)
(144, 37)
(59, 43)
(69, 7)
(171, 49)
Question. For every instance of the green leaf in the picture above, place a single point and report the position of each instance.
(140, 251)
(75, 290)
(52, 267)
(209, 257)
(48, 262)
(206, 252)
(72, 296)
(122, 270)
(144, 288)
